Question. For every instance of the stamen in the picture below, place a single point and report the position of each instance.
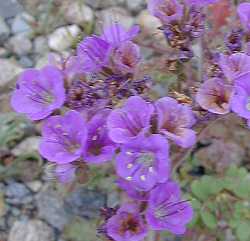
(130, 165)
(143, 178)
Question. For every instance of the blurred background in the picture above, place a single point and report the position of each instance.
(33, 206)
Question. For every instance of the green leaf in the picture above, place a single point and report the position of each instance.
(209, 219)
(206, 187)
(243, 231)
(243, 189)
(234, 171)
(198, 190)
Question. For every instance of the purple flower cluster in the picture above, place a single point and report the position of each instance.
(95, 107)
(230, 91)
(165, 211)
(181, 22)
(77, 101)
(221, 95)
(142, 130)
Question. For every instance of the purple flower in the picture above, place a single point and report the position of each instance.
(174, 121)
(116, 34)
(130, 121)
(99, 147)
(234, 65)
(233, 40)
(167, 11)
(195, 24)
(93, 54)
(166, 210)
(127, 224)
(144, 161)
(200, 3)
(39, 92)
(63, 138)
(133, 191)
(215, 95)
(241, 98)
(244, 14)
(126, 57)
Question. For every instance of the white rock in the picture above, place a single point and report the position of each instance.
(113, 14)
(4, 30)
(20, 44)
(101, 4)
(135, 5)
(62, 38)
(8, 71)
(79, 13)
(3, 52)
(148, 23)
(20, 23)
(32, 230)
(34, 186)
(29, 145)
(41, 45)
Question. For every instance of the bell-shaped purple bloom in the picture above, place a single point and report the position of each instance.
(127, 224)
(200, 3)
(241, 98)
(93, 54)
(132, 190)
(99, 147)
(166, 210)
(215, 95)
(144, 161)
(167, 11)
(63, 138)
(116, 34)
(126, 57)
(39, 92)
(174, 120)
(244, 15)
(128, 122)
(234, 65)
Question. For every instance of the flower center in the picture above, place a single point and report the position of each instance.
(72, 148)
(48, 98)
(146, 159)
(129, 224)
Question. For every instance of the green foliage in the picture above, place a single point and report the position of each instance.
(223, 201)
(209, 219)
(13, 128)
(80, 230)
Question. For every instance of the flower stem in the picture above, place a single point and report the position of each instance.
(157, 236)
